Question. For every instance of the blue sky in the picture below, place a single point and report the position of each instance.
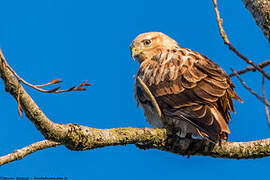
(87, 40)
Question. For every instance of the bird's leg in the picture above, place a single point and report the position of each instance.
(189, 148)
(199, 146)
(20, 110)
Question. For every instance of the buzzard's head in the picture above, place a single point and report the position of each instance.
(149, 44)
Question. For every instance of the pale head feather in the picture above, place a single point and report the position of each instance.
(147, 45)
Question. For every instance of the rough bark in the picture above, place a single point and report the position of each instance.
(260, 10)
(77, 137)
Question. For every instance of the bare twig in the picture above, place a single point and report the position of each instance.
(21, 153)
(249, 89)
(231, 47)
(38, 87)
(55, 81)
(265, 99)
(18, 99)
(250, 68)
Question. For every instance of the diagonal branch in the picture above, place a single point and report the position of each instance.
(48, 128)
(265, 106)
(21, 153)
(231, 47)
(250, 90)
(38, 87)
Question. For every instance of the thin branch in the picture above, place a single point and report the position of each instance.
(18, 100)
(250, 68)
(231, 47)
(249, 89)
(38, 87)
(265, 99)
(21, 153)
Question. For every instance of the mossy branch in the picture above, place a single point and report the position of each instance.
(79, 138)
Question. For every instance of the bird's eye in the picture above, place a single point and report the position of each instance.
(147, 42)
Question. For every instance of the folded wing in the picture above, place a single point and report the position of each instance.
(192, 88)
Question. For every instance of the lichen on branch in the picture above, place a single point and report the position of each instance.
(79, 138)
(260, 10)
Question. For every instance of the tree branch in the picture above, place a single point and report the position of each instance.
(265, 106)
(250, 68)
(250, 90)
(231, 47)
(229, 150)
(21, 153)
(155, 139)
(31, 109)
(38, 87)
(78, 137)
(260, 10)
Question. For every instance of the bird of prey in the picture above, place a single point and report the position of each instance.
(182, 90)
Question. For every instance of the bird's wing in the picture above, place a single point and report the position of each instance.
(189, 86)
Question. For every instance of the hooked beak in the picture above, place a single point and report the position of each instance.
(134, 52)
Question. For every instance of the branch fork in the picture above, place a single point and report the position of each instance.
(80, 87)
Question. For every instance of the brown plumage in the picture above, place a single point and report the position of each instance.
(194, 94)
